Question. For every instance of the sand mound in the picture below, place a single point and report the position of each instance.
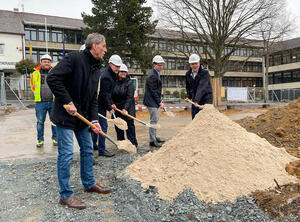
(215, 157)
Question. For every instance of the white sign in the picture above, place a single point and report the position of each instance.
(237, 94)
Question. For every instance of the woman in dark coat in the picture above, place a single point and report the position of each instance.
(123, 98)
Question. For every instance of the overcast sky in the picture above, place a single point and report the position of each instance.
(74, 8)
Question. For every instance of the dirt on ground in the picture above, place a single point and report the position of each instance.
(280, 127)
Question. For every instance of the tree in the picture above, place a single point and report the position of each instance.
(125, 24)
(272, 31)
(26, 66)
(220, 27)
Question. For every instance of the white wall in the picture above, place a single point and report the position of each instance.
(13, 51)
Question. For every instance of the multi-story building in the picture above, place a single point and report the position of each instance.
(21, 31)
(244, 68)
(284, 70)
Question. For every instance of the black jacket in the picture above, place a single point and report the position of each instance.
(152, 96)
(107, 84)
(75, 79)
(199, 89)
(123, 95)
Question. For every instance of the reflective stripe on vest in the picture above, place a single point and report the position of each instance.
(35, 83)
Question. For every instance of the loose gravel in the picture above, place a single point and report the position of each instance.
(29, 192)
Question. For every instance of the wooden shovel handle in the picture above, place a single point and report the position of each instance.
(197, 105)
(126, 114)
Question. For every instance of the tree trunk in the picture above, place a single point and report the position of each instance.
(216, 87)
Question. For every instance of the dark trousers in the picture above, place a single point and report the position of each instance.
(101, 139)
(130, 132)
(195, 110)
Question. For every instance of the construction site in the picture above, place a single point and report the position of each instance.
(227, 165)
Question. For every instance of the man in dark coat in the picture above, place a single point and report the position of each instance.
(198, 85)
(152, 97)
(105, 103)
(74, 81)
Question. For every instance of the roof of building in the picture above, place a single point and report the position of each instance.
(13, 22)
(287, 44)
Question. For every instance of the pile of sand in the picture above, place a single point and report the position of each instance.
(280, 126)
(215, 157)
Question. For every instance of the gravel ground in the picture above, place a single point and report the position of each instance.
(29, 192)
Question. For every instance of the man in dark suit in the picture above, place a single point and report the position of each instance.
(198, 85)
(152, 97)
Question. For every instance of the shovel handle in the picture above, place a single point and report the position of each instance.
(130, 116)
(197, 105)
(86, 121)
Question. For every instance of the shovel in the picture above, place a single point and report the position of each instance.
(125, 145)
(197, 105)
(170, 114)
(121, 124)
(138, 120)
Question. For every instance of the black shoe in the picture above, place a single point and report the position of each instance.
(160, 140)
(155, 144)
(107, 154)
(95, 147)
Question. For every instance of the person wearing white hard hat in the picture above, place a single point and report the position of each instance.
(198, 86)
(105, 103)
(43, 98)
(123, 97)
(152, 97)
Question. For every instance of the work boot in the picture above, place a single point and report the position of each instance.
(155, 144)
(106, 154)
(98, 188)
(95, 147)
(54, 141)
(160, 140)
(73, 202)
(40, 143)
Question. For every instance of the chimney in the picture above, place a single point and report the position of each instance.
(16, 10)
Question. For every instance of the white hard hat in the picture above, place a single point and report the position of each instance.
(82, 47)
(158, 59)
(46, 56)
(194, 58)
(123, 68)
(116, 60)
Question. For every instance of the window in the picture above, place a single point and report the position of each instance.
(277, 60)
(277, 78)
(162, 45)
(287, 76)
(179, 47)
(243, 52)
(34, 55)
(79, 37)
(171, 64)
(187, 47)
(1, 49)
(154, 44)
(56, 36)
(171, 46)
(30, 34)
(180, 64)
(296, 76)
(236, 52)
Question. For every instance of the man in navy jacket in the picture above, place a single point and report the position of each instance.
(198, 85)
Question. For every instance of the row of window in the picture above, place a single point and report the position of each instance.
(171, 46)
(179, 81)
(285, 57)
(242, 81)
(284, 77)
(54, 35)
(37, 54)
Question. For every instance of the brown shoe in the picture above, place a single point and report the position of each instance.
(98, 188)
(73, 202)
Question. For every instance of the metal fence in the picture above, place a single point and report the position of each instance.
(15, 88)
(284, 95)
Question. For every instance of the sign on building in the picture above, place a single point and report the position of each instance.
(237, 94)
